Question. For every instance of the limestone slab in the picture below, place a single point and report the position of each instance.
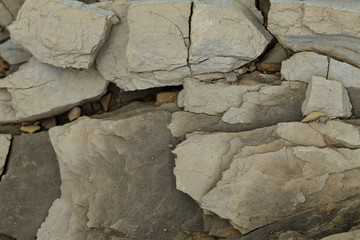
(46, 28)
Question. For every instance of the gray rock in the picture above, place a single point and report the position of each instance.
(352, 235)
(345, 73)
(30, 185)
(13, 53)
(51, 37)
(4, 149)
(5, 15)
(319, 26)
(326, 96)
(117, 175)
(38, 90)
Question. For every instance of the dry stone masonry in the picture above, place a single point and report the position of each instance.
(179, 119)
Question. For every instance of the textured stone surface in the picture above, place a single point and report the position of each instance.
(117, 176)
(46, 29)
(5, 15)
(30, 185)
(217, 25)
(345, 73)
(303, 66)
(327, 96)
(269, 104)
(213, 98)
(13, 53)
(273, 174)
(4, 149)
(352, 235)
(38, 90)
(322, 26)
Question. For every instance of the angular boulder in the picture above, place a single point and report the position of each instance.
(30, 185)
(225, 35)
(321, 26)
(274, 176)
(326, 96)
(117, 179)
(38, 90)
(49, 30)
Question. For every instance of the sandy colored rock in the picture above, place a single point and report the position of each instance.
(30, 128)
(352, 235)
(322, 26)
(5, 141)
(51, 37)
(13, 53)
(313, 116)
(166, 97)
(38, 90)
(217, 25)
(74, 113)
(304, 65)
(345, 73)
(326, 96)
(13, 6)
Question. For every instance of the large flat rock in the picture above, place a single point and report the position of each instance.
(321, 26)
(30, 185)
(117, 178)
(62, 33)
(38, 90)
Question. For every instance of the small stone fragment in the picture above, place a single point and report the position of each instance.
(51, 37)
(313, 116)
(166, 97)
(30, 128)
(326, 96)
(74, 113)
(48, 123)
(105, 101)
(231, 77)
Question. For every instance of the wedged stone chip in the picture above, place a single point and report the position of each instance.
(326, 96)
(322, 26)
(30, 185)
(224, 36)
(304, 65)
(117, 176)
(213, 98)
(267, 175)
(4, 149)
(62, 33)
(13, 53)
(38, 90)
(270, 103)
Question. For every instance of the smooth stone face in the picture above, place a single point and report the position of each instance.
(51, 37)
(345, 73)
(304, 65)
(38, 90)
(30, 185)
(218, 25)
(117, 177)
(325, 27)
(4, 149)
(13, 53)
(327, 96)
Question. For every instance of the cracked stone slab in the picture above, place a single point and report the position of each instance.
(322, 26)
(30, 185)
(218, 25)
(268, 175)
(327, 96)
(46, 29)
(117, 176)
(5, 141)
(38, 90)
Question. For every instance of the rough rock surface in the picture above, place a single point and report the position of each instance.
(38, 90)
(109, 185)
(322, 26)
(30, 185)
(345, 73)
(4, 149)
(270, 175)
(46, 29)
(215, 26)
(352, 235)
(304, 65)
(327, 96)
(13, 53)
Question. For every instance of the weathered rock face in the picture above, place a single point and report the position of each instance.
(4, 149)
(322, 26)
(257, 178)
(30, 185)
(218, 25)
(352, 235)
(51, 37)
(38, 90)
(108, 184)
(327, 96)
(13, 53)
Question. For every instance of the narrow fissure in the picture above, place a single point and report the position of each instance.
(6, 164)
(188, 47)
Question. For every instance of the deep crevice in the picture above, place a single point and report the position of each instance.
(188, 48)
(6, 164)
